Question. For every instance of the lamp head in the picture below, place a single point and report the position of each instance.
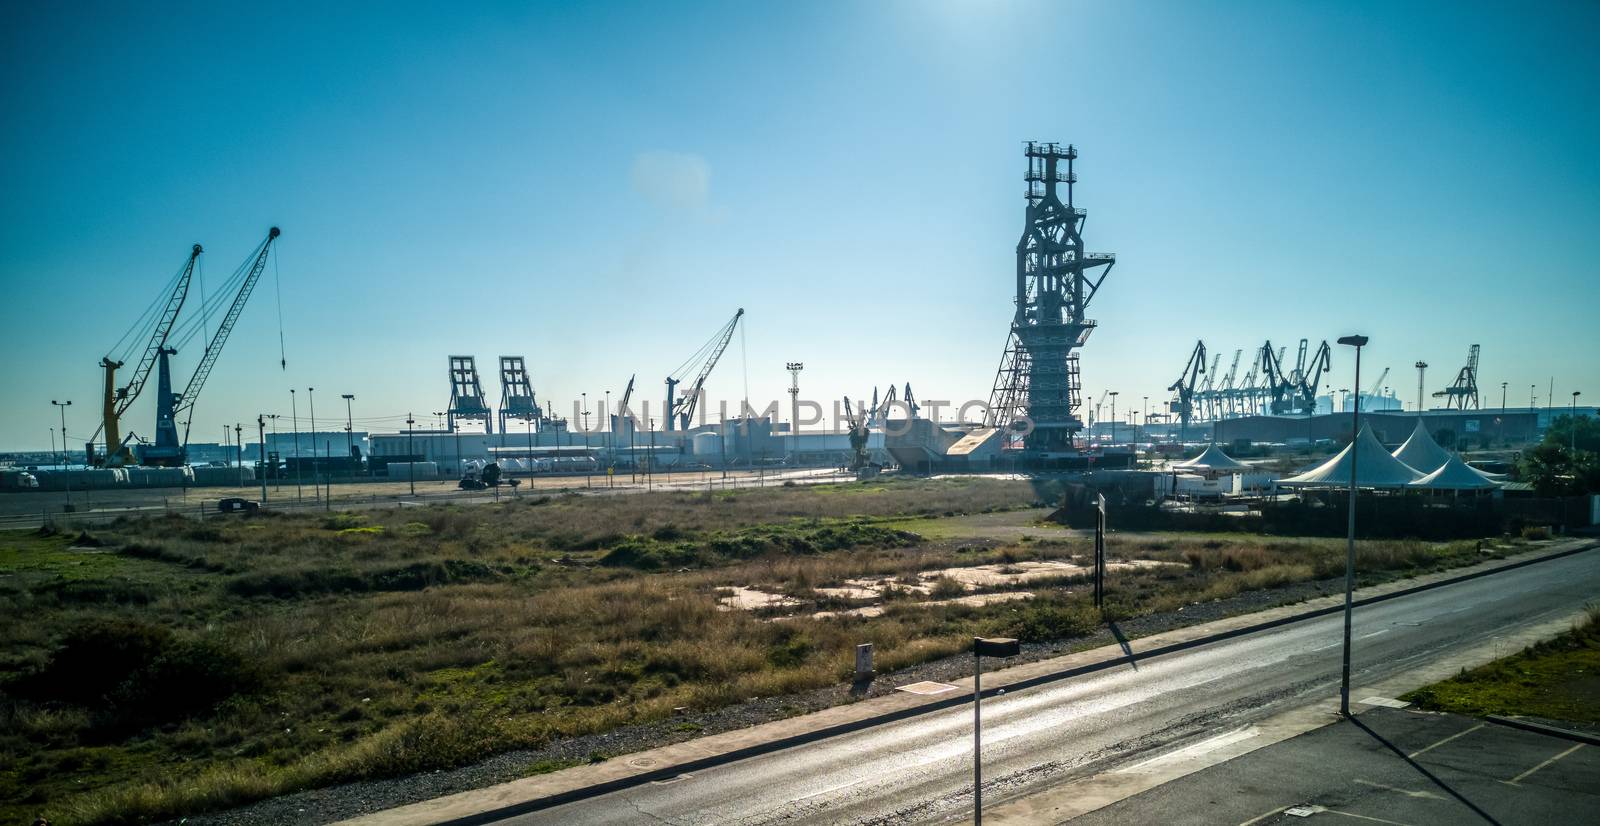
(1353, 341)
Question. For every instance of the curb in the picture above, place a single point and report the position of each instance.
(962, 698)
(1540, 728)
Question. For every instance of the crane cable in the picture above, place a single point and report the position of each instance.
(277, 287)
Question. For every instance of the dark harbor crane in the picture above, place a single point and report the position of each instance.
(680, 411)
(1184, 387)
(1464, 392)
(119, 399)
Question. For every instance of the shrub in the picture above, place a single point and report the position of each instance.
(1536, 532)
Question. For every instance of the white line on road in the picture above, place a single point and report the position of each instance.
(1446, 740)
(1258, 818)
(1196, 749)
(1407, 792)
(1513, 781)
(1373, 634)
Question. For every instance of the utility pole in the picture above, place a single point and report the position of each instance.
(349, 437)
(261, 450)
(238, 450)
(794, 368)
(411, 454)
(1356, 341)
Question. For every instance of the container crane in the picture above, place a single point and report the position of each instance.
(1378, 385)
(680, 411)
(168, 450)
(1464, 391)
(119, 399)
(858, 431)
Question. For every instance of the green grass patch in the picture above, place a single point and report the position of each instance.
(1557, 680)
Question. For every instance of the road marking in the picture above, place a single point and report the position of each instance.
(1258, 818)
(1446, 740)
(1406, 792)
(1364, 817)
(828, 791)
(1515, 780)
(1194, 750)
(1373, 634)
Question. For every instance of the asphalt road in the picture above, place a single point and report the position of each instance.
(919, 770)
(1401, 768)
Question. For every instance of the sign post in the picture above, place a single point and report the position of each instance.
(993, 647)
(1100, 550)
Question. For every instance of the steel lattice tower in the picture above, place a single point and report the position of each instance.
(1039, 371)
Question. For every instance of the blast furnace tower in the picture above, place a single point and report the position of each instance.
(1056, 280)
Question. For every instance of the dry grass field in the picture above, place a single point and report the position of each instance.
(161, 667)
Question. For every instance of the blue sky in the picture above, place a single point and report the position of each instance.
(598, 188)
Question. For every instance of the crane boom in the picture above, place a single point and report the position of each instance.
(130, 392)
(191, 392)
(119, 399)
(680, 411)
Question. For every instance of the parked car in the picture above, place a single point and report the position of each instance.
(234, 504)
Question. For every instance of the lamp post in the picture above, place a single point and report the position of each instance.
(994, 647)
(294, 412)
(311, 397)
(62, 407)
(411, 454)
(238, 450)
(585, 412)
(794, 368)
(1356, 341)
(349, 435)
(277, 481)
(1114, 416)
(1422, 368)
(1573, 425)
(261, 452)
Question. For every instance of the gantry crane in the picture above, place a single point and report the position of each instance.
(1464, 391)
(119, 399)
(680, 411)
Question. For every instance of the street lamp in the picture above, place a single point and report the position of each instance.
(62, 407)
(794, 368)
(1356, 341)
(1573, 425)
(294, 413)
(311, 396)
(349, 436)
(993, 647)
(1114, 416)
(411, 455)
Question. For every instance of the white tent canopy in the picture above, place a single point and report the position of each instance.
(1421, 451)
(1212, 458)
(1456, 475)
(1375, 468)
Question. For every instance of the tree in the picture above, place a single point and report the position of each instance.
(1554, 470)
(1560, 432)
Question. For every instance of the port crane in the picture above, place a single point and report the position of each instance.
(168, 449)
(1464, 391)
(680, 411)
(118, 399)
(1378, 385)
(1183, 405)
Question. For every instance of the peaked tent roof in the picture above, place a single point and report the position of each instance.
(1421, 451)
(1212, 458)
(1375, 468)
(1456, 475)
